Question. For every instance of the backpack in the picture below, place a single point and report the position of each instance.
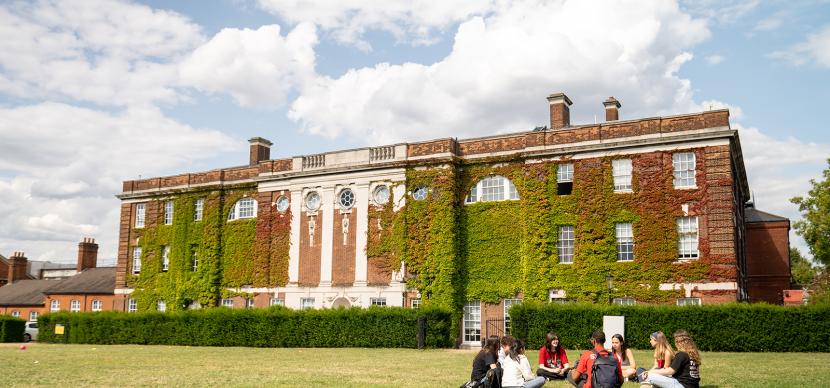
(604, 371)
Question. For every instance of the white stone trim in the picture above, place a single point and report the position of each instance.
(634, 150)
(327, 233)
(123, 291)
(362, 194)
(358, 295)
(689, 287)
(296, 207)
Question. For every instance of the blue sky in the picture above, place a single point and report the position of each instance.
(96, 92)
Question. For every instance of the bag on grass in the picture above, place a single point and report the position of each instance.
(604, 371)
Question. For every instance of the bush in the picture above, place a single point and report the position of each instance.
(387, 327)
(727, 327)
(11, 329)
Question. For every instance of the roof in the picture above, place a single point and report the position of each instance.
(753, 215)
(90, 281)
(24, 292)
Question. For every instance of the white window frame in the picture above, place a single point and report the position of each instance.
(507, 304)
(97, 305)
(33, 315)
(165, 258)
(471, 322)
(199, 210)
(168, 212)
(195, 257)
(346, 199)
(75, 306)
(378, 301)
(688, 238)
(132, 305)
(626, 301)
(140, 209)
(565, 173)
(420, 193)
(689, 302)
(415, 303)
(565, 244)
(249, 303)
(493, 188)
(622, 172)
(307, 303)
(136, 260)
(238, 212)
(227, 302)
(161, 306)
(277, 302)
(624, 232)
(16, 314)
(685, 166)
(54, 306)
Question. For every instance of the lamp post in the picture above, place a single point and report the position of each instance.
(609, 280)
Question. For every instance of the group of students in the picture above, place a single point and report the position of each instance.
(502, 363)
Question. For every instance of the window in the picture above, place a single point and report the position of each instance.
(507, 304)
(136, 259)
(168, 213)
(282, 204)
(97, 305)
(377, 301)
(346, 199)
(419, 193)
(687, 238)
(161, 306)
(277, 302)
(688, 301)
(195, 256)
(165, 258)
(415, 303)
(622, 175)
(54, 306)
(381, 194)
(249, 303)
(307, 303)
(16, 314)
(33, 315)
(625, 301)
(132, 305)
(227, 302)
(565, 246)
(684, 170)
(625, 242)
(472, 321)
(242, 209)
(200, 208)
(139, 215)
(564, 179)
(75, 306)
(312, 201)
(493, 188)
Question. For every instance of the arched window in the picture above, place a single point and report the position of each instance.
(493, 188)
(244, 208)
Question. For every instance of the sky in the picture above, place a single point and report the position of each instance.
(93, 93)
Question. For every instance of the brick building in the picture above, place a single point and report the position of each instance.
(313, 231)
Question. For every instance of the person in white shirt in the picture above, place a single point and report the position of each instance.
(516, 367)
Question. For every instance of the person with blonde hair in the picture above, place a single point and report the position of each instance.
(663, 353)
(684, 370)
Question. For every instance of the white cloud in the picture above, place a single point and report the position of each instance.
(721, 11)
(770, 23)
(816, 48)
(257, 67)
(348, 20)
(490, 83)
(715, 59)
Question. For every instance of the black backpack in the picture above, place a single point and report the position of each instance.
(604, 371)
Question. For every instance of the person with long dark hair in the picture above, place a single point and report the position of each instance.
(517, 373)
(624, 356)
(486, 359)
(553, 360)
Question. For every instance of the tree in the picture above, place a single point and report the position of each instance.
(815, 223)
(820, 289)
(801, 271)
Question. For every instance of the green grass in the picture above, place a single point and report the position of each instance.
(136, 365)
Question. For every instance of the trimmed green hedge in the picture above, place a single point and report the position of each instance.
(726, 327)
(387, 327)
(11, 329)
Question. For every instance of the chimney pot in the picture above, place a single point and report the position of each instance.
(260, 150)
(612, 109)
(560, 113)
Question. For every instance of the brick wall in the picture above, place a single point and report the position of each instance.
(309, 271)
(344, 248)
(768, 261)
(108, 300)
(23, 310)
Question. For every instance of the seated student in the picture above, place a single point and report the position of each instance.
(553, 361)
(684, 370)
(624, 356)
(485, 360)
(517, 373)
(608, 369)
(663, 353)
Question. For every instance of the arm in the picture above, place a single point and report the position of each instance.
(542, 357)
(565, 363)
(524, 366)
(667, 357)
(630, 355)
(668, 371)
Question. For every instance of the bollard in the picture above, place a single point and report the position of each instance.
(422, 331)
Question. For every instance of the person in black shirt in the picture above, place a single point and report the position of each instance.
(486, 359)
(684, 370)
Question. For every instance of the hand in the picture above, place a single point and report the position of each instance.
(644, 376)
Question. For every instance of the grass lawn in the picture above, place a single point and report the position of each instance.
(136, 365)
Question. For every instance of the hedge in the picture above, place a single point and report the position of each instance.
(11, 329)
(387, 327)
(725, 327)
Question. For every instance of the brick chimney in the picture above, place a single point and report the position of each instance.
(612, 109)
(18, 266)
(260, 150)
(560, 114)
(87, 254)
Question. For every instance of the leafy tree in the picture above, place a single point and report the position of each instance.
(820, 289)
(815, 223)
(801, 271)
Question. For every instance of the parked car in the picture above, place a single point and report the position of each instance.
(30, 334)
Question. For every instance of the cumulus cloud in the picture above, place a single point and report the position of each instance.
(490, 83)
(257, 67)
(415, 22)
(815, 49)
(107, 52)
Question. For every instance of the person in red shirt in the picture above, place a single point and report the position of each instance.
(581, 376)
(553, 361)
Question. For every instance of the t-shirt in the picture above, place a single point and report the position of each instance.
(552, 360)
(685, 370)
(481, 364)
(586, 361)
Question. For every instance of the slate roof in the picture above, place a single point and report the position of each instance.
(25, 292)
(752, 215)
(90, 281)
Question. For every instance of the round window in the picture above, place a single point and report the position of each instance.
(381, 195)
(312, 201)
(282, 204)
(419, 193)
(346, 199)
